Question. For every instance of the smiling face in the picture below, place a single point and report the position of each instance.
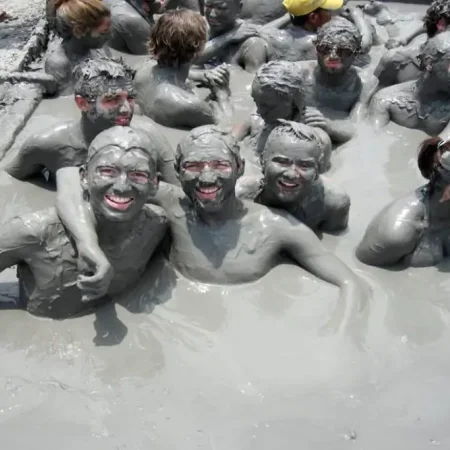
(290, 167)
(221, 14)
(119, 182)
(335, 57)
(208, 175)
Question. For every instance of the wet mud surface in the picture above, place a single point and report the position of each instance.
(184, 365)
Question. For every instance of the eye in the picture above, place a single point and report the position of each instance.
(139, 177)
(111, 101)
(221, 165)
(192, 167)
(107, 171)
(282, 161)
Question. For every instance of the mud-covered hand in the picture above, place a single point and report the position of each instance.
(245, 31)
(217, 77)
(95, 272)
(394, 43)
(314, 118)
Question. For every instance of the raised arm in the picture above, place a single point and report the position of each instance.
(369, 87)
(95, 270)
(358, 18)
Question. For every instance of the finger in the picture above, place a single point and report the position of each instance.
(309, 118)
(317, 124)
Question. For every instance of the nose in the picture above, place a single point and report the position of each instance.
(125, 106)
(208, 176)
(333, 54)
(292, 172)
(121, 185)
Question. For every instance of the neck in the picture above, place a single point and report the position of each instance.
(90, 129)
(175, 70)
(110, 232)
(73, 45)
(331, 78)
(230, 209)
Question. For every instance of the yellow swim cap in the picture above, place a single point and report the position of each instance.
(304, 7)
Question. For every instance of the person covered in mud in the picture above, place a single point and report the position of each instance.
(218, 238)
(131, 23)
(291, 162)
(163, 90)
(278, 94)
(423, 104)
(104, 94)
(119, 176)
(232, 40)
(333, 86)
(401, 62)
(414, 230)
(84, 27)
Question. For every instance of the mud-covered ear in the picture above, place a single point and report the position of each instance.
(155, 184)
(82, 103)
(240, 167)
(83, 178)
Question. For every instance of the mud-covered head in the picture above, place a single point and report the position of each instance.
(291, 159)
(87, 21)
(278, 91)
(435, 61)
(104, 91)
(222, 14)
(437, 17)
(337, 44)
(178, 37)
(312, 14)
(208, 163)
(120, 173)
(146, 8)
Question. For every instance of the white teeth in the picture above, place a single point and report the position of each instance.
(288, 184)
(121, 200)
(208, 190)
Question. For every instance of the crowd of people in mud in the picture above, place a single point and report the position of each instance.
(123, 193)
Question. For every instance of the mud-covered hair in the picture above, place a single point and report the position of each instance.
(207, 136)
(342, 31)
(179, 35)
(91, 75)
(434, 49)
(126, 139)
(428, 153)
(78, 17)
(439, 9)
(280, 77)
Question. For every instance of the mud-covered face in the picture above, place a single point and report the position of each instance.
(119, 183)
(221, 14)
(272, 105)
(440, 67)
(115, 106)
(335, 57)
(290, 167)
(98, 37)
(208, 176)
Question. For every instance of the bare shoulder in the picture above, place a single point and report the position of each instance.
(336, 198)
(248, 187)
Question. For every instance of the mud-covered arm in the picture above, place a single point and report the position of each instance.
(16, 243)
(95, 270)
(379, 111)
(214, 47)
(392, 234)
(369, 87)
(357, 15)
(26, 161)
(414, 33)
(240, 131)
(135, 32)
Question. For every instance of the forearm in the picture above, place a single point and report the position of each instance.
(341, 131)
(197, 75)
(168, 173)
(242, 130)
(360, 21)
(72, 208)
(417, 32)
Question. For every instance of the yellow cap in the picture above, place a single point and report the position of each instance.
(304, 7)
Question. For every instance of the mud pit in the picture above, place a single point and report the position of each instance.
(183, 365)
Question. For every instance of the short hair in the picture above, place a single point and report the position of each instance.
(126, 139)
(279, 76)
(179, 35)
(301, 20)
(439, 9)
(90, 75)
(80, 16)
(204, 137)
(300, 131)
(434, 49)
(339, 29)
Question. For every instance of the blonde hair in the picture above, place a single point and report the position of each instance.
(179, 35)
(79, 17)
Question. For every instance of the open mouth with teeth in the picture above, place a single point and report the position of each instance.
(288, 185)
(123, 120)
(118, 202)
(209, 192)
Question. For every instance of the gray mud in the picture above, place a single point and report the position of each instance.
(184, 365)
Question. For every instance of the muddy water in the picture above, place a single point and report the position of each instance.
(183, 365)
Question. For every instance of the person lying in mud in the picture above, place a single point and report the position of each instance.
(119, 176)
(163, 92)
(233, 41)
(423, 104)
(131, 23)
(399, 65)
(218, 238)
(290, 181)
(333, 86)
(104, 94)
(414, 229)
(84, 26)
(278, 94)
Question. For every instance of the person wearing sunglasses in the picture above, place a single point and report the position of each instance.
(415, 229)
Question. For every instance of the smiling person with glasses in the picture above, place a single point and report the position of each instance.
(415, 229)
